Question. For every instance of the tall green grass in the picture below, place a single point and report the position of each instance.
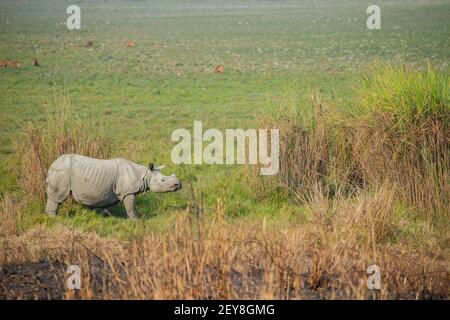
(408, 96)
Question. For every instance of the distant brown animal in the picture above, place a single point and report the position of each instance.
(89, 44)
(220, 68)
(4, 63)
(15, 64)
(35, 63)
(130, 43)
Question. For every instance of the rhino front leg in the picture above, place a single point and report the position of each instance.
(51, 207)
(130, 205)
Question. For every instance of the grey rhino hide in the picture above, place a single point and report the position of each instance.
(97, 183)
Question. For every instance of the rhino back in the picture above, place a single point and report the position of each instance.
(93, 180)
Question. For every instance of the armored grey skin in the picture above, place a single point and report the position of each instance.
(103, 183)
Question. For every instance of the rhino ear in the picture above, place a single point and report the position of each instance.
(151, 166)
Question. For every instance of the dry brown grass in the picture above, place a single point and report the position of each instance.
(315, 154)
(212, 258)
(415, 161)
(63, 133)
(10, 213)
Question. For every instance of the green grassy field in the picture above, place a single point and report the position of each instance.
(137, 96)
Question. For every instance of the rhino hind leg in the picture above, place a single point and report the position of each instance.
(106, 211)
(51, 207)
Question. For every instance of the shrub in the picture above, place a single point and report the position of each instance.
(63, 132)
(400, 140)
(404, 138)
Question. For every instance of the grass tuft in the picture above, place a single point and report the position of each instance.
(62, 133)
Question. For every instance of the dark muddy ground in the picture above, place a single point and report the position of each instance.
(46, 279)
(38, 280)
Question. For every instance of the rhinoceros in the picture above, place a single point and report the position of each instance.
(103, 183)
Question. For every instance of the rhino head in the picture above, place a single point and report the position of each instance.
(157, 182)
